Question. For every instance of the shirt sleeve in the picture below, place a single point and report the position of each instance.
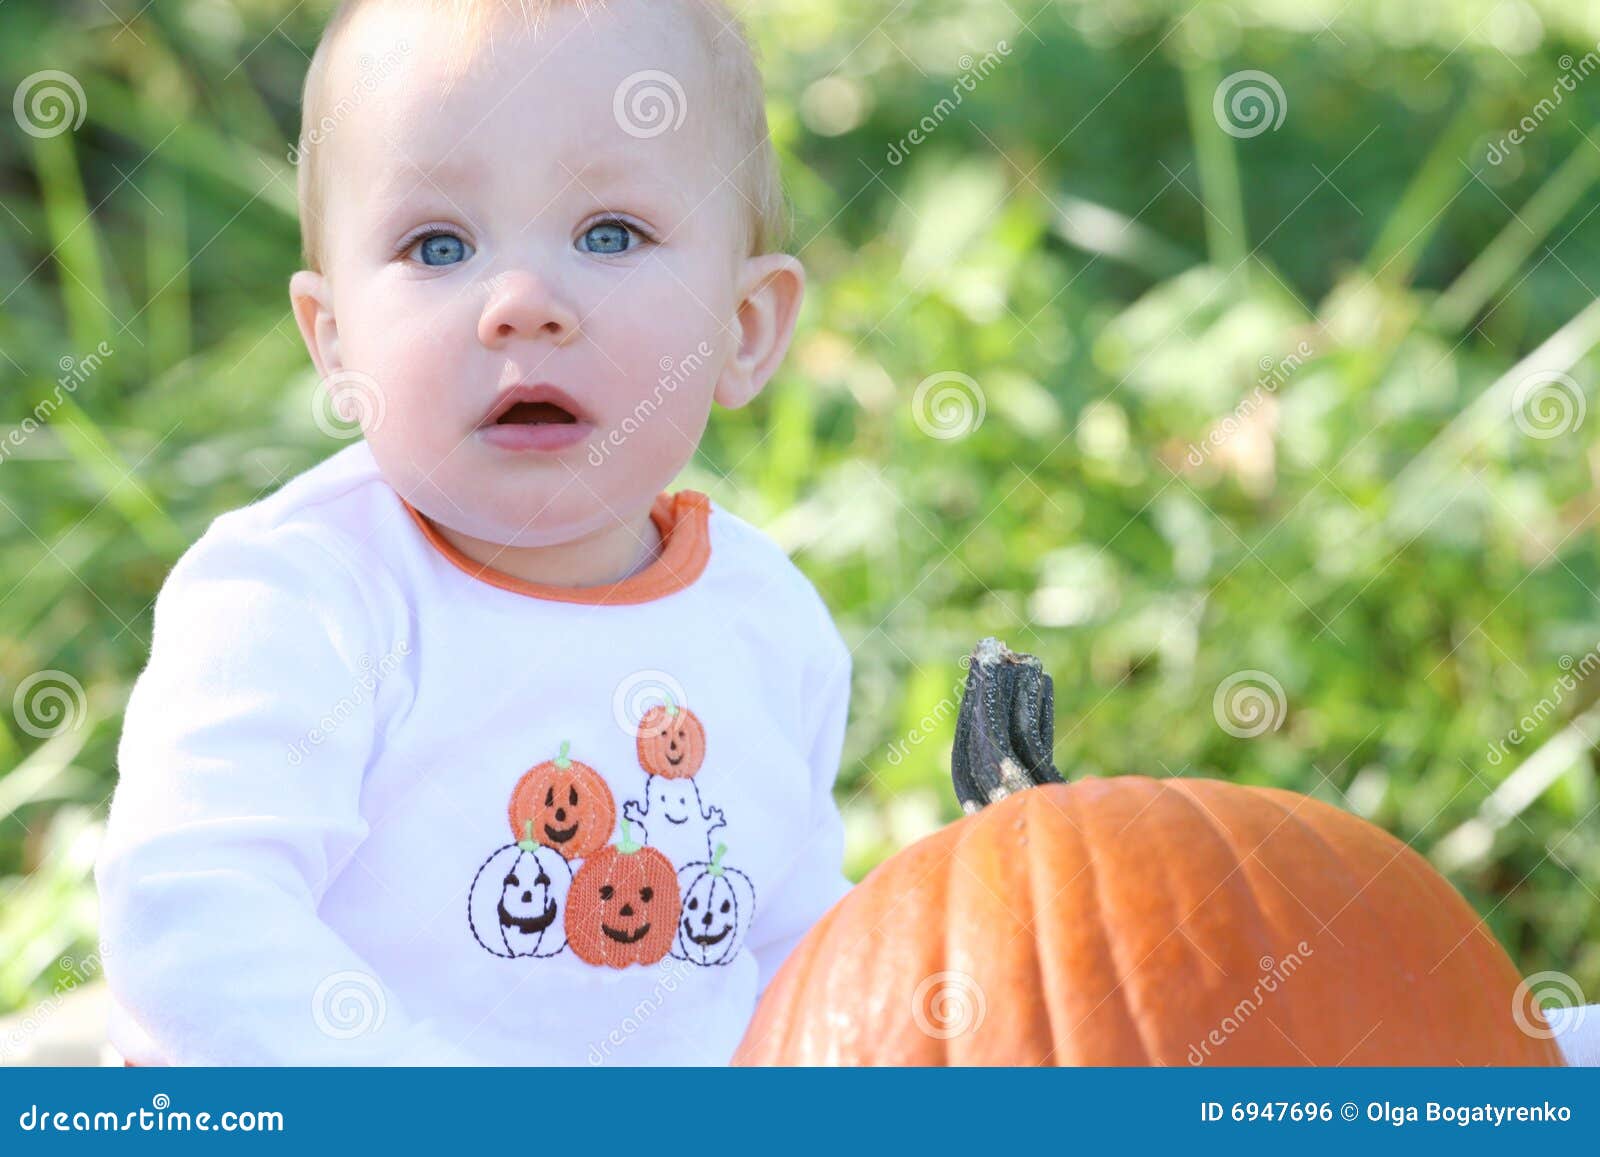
(816, 881)
(240, 767)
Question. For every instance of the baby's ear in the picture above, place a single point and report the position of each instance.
(311, 298)
(770, 290)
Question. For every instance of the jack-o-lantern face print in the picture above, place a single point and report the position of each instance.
(671, 742)
(624, 905)
(517, 901)
(718, 903)
(569, 804)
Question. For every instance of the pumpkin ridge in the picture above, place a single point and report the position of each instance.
(1357, 887)
(1091, 851)
(1186, 792)
(1042, 978)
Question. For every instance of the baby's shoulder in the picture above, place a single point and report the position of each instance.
(304, 540)
(756, 559)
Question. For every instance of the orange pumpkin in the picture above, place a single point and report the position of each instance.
(623, 907)
(671, 741)
(1136, 921)
(569, 804)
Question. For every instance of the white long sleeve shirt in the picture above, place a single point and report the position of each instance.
(311, 855)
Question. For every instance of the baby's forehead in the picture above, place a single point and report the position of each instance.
(588, 95)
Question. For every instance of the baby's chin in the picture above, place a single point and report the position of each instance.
(512, 510)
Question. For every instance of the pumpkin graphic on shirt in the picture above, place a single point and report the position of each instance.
(718, 903)
(671, 741)
(568, 803)
(623, 907)
(672, 819)
(518, 899)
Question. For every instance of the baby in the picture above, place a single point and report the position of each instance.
(473, 744)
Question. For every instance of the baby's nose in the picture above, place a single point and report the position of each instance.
(527, 305)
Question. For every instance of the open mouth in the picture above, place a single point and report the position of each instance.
(560, 835)
(536, 414)
(622, 937)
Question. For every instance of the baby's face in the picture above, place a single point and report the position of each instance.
(515, 231)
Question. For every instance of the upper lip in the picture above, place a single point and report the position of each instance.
(532, 392)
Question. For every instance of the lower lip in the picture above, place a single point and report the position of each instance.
(547, 436)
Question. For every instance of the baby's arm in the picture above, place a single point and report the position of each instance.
(240, 769)
(816, 880)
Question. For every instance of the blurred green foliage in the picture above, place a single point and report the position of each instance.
(1351, 294)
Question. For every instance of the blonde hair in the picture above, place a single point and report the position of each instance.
(735, 87)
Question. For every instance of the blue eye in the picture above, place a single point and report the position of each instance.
(606, 237)
(442, 249)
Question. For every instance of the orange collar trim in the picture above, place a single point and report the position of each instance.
(682, 519)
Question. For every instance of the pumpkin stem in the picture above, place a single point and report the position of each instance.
(627, 846)
(716, 858)
(1005, 730)
(527, 843)
(561, 759)
(672, 706)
